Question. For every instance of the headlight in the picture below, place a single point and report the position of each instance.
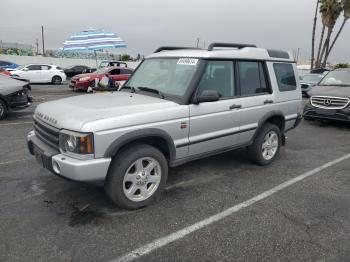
(84, 78)
(79, 145)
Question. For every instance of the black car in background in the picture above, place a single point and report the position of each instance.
(78, 69)
(14, 94)
(330, 99)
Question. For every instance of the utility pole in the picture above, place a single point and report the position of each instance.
(298, 52)
(37, 46)
(197, 42)
(42, 39)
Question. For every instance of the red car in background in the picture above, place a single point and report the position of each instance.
(83, 81)
(5, 72)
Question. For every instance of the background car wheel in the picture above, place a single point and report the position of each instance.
(136, 176)
(3, 109)
(56, 80)
(266, 145)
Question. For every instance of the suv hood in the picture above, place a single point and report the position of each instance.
(74, 113)
(338, 91)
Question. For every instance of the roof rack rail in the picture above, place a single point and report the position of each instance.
(239, 46)
(169, 48)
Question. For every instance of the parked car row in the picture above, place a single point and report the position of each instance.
(48, 73)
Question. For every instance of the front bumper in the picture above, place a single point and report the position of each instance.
(84, 85)
(313, 112)
(91, 170)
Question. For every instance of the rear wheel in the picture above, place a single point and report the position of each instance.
(56, 80)
(136, 176)
(3, 110)
(266, 145)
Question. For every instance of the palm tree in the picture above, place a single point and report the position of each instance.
(313, 36)
(330, 10)
(323, 11)
(346, 14)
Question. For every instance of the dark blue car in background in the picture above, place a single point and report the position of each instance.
(8, 65)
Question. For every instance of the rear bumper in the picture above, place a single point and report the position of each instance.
(333, 114)
(74, 169)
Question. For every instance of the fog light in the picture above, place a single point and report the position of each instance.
(56, 167)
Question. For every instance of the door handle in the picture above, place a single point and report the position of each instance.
(268, 102)
(234, 106)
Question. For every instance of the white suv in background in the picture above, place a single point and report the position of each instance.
(41, 73)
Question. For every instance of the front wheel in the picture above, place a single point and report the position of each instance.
(266, 145)
(136, 176)
(3, 110)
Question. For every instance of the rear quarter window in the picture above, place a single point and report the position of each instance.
(285, 76)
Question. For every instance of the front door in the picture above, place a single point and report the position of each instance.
(33, 73)
(215, 125)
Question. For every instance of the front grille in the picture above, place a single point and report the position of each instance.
(330, 102)
(48, 134)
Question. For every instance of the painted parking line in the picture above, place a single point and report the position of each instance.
(14, 161)
(20, 123)
(161, 242)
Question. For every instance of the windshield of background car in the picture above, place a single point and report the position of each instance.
(314, 78)
(167, 75)
(337, 78)
(101, 71)
(20, 67)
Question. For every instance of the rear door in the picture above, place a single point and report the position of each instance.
(256, 96)
(46, 73)
(215, 125)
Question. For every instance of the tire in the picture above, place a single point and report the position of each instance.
(128, 173)
(265, 156)
(3, 110)
(56, 80)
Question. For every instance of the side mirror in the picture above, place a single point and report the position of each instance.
(25, 69)
(207, 96)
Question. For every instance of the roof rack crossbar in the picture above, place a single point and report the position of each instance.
(169, 48)
(233, 45)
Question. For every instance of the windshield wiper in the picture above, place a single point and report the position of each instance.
(132, 89)
(153, 90)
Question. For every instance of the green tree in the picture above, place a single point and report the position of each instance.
(125, 57)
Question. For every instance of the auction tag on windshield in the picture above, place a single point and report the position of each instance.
(187, 61)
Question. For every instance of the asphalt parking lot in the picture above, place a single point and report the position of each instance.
(46, 218)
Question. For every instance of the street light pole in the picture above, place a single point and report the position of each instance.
(42, 39)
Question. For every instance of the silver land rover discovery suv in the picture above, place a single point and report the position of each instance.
(180, 104)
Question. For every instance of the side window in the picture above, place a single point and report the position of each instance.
(125, 71)
(285, 77)
(218, 76)
(45, 67)
(114, 72)
(252, 78)
(34, 67)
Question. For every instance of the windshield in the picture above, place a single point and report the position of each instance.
(314, 78)
(336, 78)
(101, 70)
(20, 67)
(166, 75)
